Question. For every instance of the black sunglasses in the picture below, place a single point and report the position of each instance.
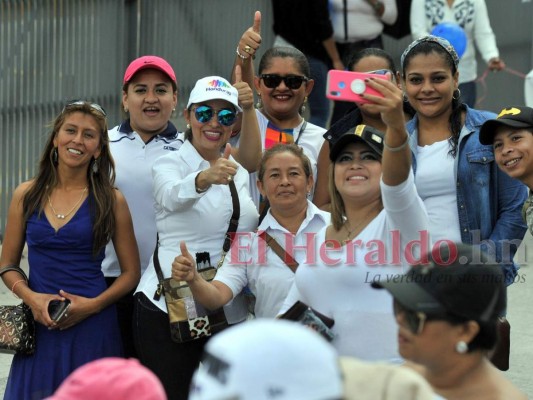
(293, 82)
(94, 106)
(225, 116)
(415, 320)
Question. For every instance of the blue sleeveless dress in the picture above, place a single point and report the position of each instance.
(63, 260)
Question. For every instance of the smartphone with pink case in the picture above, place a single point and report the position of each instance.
(349, 85)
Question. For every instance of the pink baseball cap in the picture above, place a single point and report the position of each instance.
(146, 62)
(111, 378)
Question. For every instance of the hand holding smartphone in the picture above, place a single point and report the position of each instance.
(57, 309)
(348, 85)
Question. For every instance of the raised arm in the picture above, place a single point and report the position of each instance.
(212, 295)
(396, 160)
(246, 49)
(249, 151)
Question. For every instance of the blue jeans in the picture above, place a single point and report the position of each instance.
(318, 103)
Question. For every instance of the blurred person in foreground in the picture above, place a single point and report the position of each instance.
(447, 310)
(111, 378)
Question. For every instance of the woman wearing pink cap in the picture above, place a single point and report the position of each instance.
(196, 191)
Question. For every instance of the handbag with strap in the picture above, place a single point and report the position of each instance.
(299, 311)
(189, 320)
(17, 326)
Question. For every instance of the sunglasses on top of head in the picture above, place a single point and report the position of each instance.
(225, 116)
(415, 320)
(94, 106)
(293, 82)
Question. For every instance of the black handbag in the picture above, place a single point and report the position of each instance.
(17, 326)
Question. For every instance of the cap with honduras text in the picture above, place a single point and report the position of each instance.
(214, 88)
(149, 62)
(458, 279)
(362, 133)
(268, 360)
(516, 117)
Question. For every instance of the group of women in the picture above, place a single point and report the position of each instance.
(429, 181)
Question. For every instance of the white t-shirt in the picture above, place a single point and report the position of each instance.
(310, 140)
(435, 181)
(133, 168)
(338, 284)
(362, 21)
(266, 275)
(199, 219)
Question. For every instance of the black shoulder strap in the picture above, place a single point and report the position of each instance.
(234, 220)
(304, 125)
(232, 228)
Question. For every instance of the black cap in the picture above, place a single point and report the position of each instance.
(363, 133)
(458, 280)
(515, 117)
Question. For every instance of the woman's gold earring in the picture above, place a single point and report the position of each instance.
(188, 126)
(259, 103)
(125, 109)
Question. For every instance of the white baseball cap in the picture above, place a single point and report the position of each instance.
(268, 359)
(214, 88)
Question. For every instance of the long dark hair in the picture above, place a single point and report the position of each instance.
(455, 120)
(101, 184)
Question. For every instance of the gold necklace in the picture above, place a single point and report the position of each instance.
(350, 231)
(63, 216)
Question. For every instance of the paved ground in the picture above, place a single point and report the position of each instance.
(520, 315)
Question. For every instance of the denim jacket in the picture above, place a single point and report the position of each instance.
(489, 202)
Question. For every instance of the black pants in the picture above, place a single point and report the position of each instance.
(125, 321)
(173, 363)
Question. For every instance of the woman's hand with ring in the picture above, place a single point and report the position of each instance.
(251, 38)
(223, 168)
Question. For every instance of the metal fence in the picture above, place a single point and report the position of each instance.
(57, 50)
(52, 51)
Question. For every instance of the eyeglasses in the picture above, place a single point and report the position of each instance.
(94, 106)
(415, 320)
(225, 116)
(293, 82)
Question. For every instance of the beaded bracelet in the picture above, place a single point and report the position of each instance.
(240, 55)
(399, 148)
(15, 284)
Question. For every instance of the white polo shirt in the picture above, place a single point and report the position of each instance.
(266, 275)
(133, 168)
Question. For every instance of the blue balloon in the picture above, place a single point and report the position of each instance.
(454, 34)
